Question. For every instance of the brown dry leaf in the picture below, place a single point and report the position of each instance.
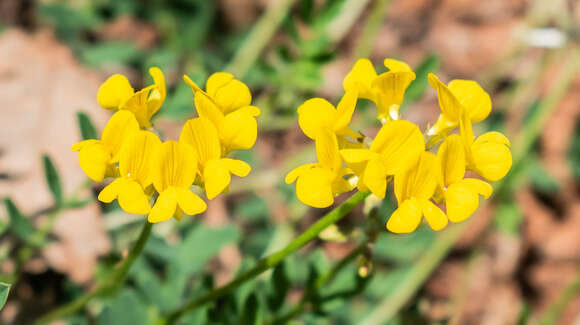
(41, 88)
(127, 28)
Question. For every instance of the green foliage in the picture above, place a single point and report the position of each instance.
(111, 53)
(126, 309)
(418, 87)
(251, 314)
(86, 126)
(280, 284)
(508, 217)
(541, 180)
(20, 225)
(52, 179)
(4, 290)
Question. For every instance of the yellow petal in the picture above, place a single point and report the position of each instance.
(139, 106)
(491, 160)
(406, 217)
(164, 207)
(114, 92)
(451, 158)
(158, 93)
(448, 103)
(174, 165)
(396, 65)
(132, 198)
(94, 160)
(216, 81)
(472, 97)
(203, 137)
(314, 115)
(232, 96)
(492, 136)
(79, 145)
(216, 177)
(478, 186)
(136, 156)
(400, 144)
(390, 88)
(327, 150)
(237, 167)
(207, 108)
(189, 202)
(314, 188)
(296, 172)
(356, 155)
(466, 133)
(419, 181)
(375, 178)
(344, 111)
(194, 87)
(360, 79)
(110, 192)
(240, 129)
(435, 217)
(120, 127)
(461, 201)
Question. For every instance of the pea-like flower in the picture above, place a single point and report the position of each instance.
(318, 183)
(461, 195)
(386, 90)
(117, 93)
(174, 170)
(318, 114)
(460, 95)
(214, 170)
(97, 158)
(414, 188)
(395, 148)
(134, 174)
(226, 103)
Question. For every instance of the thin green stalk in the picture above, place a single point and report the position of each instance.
(270, 261)
(553, 313)
(370, 31)
(111, 285)
(444, 242)
(259, 37)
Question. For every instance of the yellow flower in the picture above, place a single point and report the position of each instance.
(396, 147)
(459, 95)
(489, 155)
(227, 105)
(117, 93)
(387, 90)
(174, 170)
(318, 114)
(97, 158)
(135, 174)
(317, 184)
(413, 189)
(461, 195)
(214, 170)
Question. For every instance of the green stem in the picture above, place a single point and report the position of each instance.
(272, 260)
(259, 37)
(109, 286)
(369, 33)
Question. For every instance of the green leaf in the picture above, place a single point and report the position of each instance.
(541, 180)
(19, 224)
(88, 130)
(419, 85)
(280, 286)
(4, 290)
(251, 314)
(111, 53)
(508, 217)
(126, 309)
(52, 179)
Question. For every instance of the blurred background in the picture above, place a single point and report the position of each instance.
(516, 261)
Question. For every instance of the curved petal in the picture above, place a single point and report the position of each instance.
(327, 150)
(132, 198)
(448, 103)
(237, 167)
(194, 87)
(139, 106)
(164, 207)
(360, 79)
(478, 186)
(203, 137)
(400, 144)
(473, 98)
(80, 145)
(216, 81)
(232, 96)
(207, 108)
(94, 160)
(136, 156)
(493, 136)
(175, 165)
(461, 201)
(216, 177)
(114, 92)
(120, 127)
(189, 202)
(296, 172)
(451, 158)
(240, 129)
(491, 160)
(356, 155)
(159, 92)
(390, 88)
(110, 192)
(435, 217)
(396, 65)
(406, 218)
(375, 178)
(314, 115)
(420, 181)
(314, 188)
(345, 110)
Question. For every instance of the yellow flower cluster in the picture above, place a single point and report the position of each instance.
(144, 167)
(426, 184)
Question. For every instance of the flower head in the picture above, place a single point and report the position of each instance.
(97, 158)
(318, 114)
(116, 93)
(174, 170)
